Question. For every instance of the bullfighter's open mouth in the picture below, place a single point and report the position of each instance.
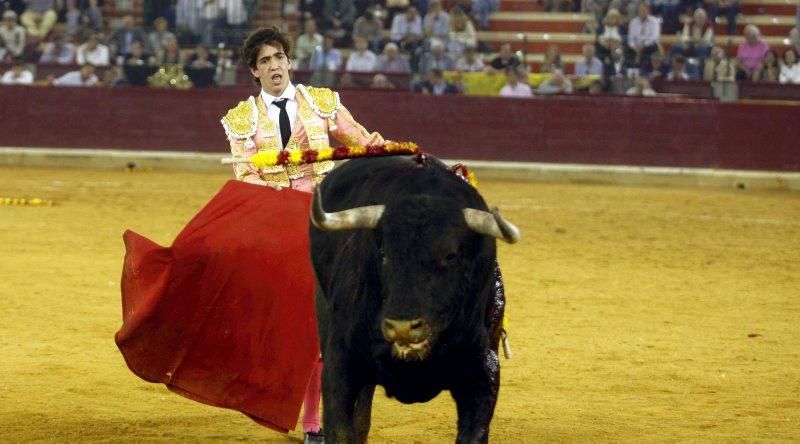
(411, 351)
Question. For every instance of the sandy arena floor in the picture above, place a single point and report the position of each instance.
(637, 314)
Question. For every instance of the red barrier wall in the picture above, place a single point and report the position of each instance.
(564, 129)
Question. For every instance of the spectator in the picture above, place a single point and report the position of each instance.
(436, 85)
(505, 59)
(122, 39)
(678, 71)
(326, 58)
(337, 20)
(209, 21)
(552, 59)
(470, 61)
(83, 13)
(558, 83)
(391, 60)
(307, 43)
(482, 9)
(596, 88)
(369, 26)
(17, 75)
(769, 70)
(437, 22)
(380, 81)
(614, 64)
(202, 58)
(93, 52)
(751, 53)
(83, 77)
(39, 18)
(362, 59)
(158, 38)
(644, 33)
(659, 67)
(407, 29)
(12, 35)
(58, 52)
(152, 9)
(138, 56)
(516, 86)
(171, 55)
(612, 28)
(462, 32)
(436, 58)
(669, 11)
(697, 36)
(589, 65)
(641, 88)
(187, 19)
(236, 23)
(790, 67)
(719, 67)
(729, 8)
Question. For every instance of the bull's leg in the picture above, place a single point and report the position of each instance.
(363, 413)
(476, 399)
(338, 399)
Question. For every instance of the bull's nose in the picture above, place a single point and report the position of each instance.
(405, 331)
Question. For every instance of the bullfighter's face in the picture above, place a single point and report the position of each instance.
(272, 69)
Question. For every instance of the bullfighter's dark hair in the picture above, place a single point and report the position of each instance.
(260, 37)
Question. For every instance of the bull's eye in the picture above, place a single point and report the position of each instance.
(450, 257)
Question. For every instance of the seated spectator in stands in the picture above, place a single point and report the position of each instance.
(236, 25)
(436, 58)
(719, 67)
(346, 81)
(669, 11)
(505, 59)
(644, 34)
(123, 38)
(658, 68)
(391, 60)
(596, 88)
(641, 88)
(437, 22)
(158, 38)
(326, 57)
(751, 53)
(697, 36)
(612, 28)
(470, 61)
(83, 13)
(678, 71)
(729, 8)
(307, 43)
(516, 84)
(380, 81)
(17, 75)
(369, 27)
(337, 20)
(482, 9)
(138, 56)
(558, 83)
(589, 65)
(462, 32)
(435, 84)
(614, 64)
(362, 59)
(790, 67)
(187, 19)
(202, 58)
(93, 52)
(39, 18)
(58, 52)
(407, 29)
(769, 70)
(552, 60)
(12, 35)
(171, 54)
(83, 77)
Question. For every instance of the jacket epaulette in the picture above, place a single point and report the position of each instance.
(241, 122)
(324, 102)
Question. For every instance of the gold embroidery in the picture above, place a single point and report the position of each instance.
(279, 179)
(323, 101)
(271, 140)
(320, 168)
(240, 122)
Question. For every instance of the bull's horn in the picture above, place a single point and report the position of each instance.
(491, 224)
(361, 217)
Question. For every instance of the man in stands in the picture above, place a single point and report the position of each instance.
(123, 38)
(644, 33)
(83, 77)
(92, 51)
(407, 29)
(751, 52)
(515, 85)
(436, 84)
(18, 75)
(39, 17)
(12, 35)
(362, 59)
(58, 52)
(589, 65)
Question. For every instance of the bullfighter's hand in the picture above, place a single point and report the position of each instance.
(376, 140)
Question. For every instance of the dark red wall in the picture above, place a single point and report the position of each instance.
(565, 129)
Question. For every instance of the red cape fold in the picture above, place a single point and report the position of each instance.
(225, 316)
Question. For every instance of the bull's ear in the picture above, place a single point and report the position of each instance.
(491, 224)
(360, 217)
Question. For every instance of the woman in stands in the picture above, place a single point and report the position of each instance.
(790, 67)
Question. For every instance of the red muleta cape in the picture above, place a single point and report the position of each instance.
(225, 316)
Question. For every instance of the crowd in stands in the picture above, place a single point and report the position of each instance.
(417, 37)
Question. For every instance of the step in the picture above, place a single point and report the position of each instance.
(775, 7)
(537, 22)
(521, 6)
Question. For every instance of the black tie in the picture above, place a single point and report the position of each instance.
(283, 120)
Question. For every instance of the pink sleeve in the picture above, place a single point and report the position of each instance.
(351, 133)
(245, 172)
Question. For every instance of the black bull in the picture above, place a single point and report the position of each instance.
(409, 294)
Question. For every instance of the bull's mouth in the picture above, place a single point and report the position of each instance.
(411, 351)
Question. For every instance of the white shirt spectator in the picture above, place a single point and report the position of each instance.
(584, 69)
(25, 78)
(437, 26)
(519, 90)
(477, 65)
(235, 12)
(99, 56)
(682, 76)
(646, 32)
(73, 78)
(13, 38)
(361, 62)
(209, 10)
(64, 56)
(790, 74)
(401, 27)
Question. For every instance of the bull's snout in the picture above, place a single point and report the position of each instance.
(412, 331)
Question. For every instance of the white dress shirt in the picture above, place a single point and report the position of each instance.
(25, 78)
(273, 112)
(99, 56)
(361, 62)
(646, 32)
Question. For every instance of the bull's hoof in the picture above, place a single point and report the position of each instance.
(314, 438)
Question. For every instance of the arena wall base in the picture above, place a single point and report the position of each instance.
(521, 171)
